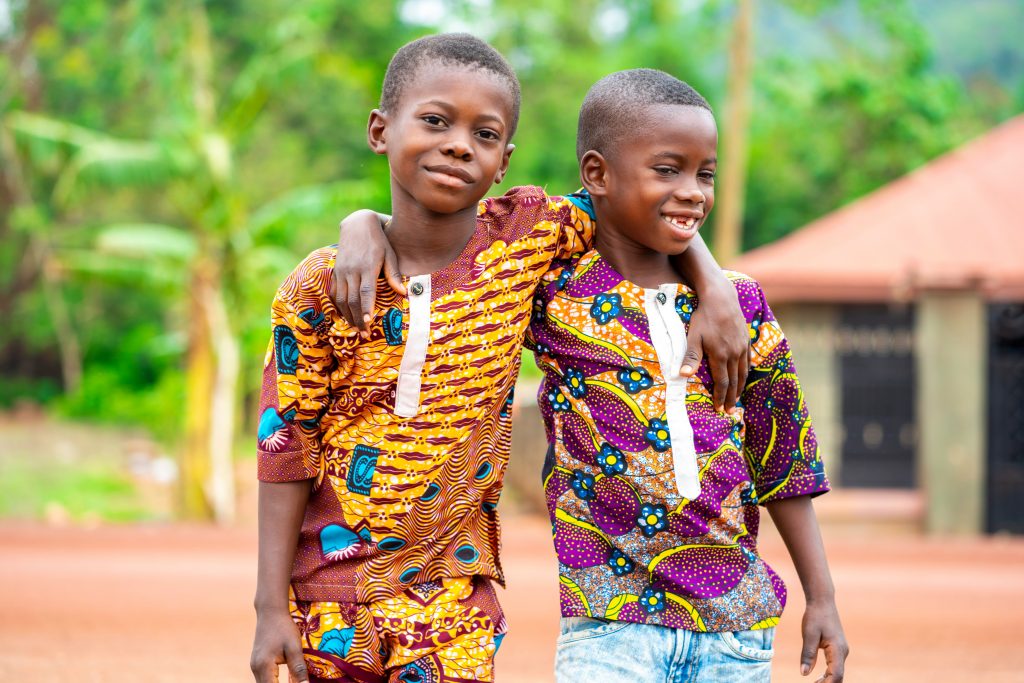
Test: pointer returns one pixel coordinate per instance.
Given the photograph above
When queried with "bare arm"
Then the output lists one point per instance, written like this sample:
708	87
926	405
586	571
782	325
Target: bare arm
718	327
798	526
362	251
281	509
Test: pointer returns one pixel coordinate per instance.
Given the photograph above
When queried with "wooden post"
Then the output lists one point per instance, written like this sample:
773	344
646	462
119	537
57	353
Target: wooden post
729	221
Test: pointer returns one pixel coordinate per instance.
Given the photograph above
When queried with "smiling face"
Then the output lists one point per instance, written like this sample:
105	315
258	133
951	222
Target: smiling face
447	140
656	187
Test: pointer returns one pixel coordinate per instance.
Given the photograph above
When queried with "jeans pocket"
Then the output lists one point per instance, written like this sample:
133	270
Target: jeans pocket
753	645
573	629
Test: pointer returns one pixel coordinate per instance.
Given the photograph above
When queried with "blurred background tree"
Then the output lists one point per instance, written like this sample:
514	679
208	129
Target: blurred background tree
164	164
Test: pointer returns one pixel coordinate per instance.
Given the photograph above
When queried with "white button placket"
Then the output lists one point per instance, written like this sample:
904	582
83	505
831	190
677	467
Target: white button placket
407	397
669	337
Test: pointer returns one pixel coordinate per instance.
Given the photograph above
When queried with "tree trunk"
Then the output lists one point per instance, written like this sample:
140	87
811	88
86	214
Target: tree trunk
729	223
200	374
221	491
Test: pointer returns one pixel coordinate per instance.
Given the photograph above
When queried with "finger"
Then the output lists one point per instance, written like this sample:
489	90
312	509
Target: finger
391	272
264	670
341	298
693	356
720	377
743	368
352	303
367	300
808	654
835	660
355	308
296	665
733	393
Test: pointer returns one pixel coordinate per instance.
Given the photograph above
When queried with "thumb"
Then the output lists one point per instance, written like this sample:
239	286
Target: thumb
808	654
296	665
391	272
692	358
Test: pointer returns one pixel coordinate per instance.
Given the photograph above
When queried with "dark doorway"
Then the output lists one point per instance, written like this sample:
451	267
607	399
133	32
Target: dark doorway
876	365
1006	418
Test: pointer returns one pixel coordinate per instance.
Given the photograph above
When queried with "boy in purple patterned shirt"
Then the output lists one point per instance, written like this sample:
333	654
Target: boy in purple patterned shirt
653	493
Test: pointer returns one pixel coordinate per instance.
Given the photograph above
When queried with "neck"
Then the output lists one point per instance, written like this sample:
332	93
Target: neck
423	240
635	262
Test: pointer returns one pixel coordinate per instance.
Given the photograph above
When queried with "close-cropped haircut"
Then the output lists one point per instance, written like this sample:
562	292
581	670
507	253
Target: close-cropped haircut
614	106
446	49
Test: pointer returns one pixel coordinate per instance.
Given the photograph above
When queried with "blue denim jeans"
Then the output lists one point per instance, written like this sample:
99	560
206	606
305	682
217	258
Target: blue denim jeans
599	651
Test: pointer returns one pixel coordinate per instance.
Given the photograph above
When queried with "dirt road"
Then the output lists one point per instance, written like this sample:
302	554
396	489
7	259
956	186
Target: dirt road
172	604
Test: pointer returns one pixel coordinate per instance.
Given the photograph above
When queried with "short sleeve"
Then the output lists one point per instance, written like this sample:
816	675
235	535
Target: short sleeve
526	209
779	442
297	376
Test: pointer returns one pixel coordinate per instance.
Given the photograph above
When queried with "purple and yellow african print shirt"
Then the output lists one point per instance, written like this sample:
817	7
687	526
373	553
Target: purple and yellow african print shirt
653	495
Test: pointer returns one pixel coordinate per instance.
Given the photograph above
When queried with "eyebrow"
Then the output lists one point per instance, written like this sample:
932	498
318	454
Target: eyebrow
680	157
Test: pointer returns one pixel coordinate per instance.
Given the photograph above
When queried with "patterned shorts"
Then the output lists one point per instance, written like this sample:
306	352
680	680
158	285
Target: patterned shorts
439	631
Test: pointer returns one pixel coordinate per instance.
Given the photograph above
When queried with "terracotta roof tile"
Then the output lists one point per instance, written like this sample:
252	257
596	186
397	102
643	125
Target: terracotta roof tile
958	221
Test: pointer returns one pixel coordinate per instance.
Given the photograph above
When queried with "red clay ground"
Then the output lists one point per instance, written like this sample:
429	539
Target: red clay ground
171	604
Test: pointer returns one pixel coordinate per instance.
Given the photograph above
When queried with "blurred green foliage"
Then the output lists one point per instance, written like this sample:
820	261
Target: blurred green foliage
849	94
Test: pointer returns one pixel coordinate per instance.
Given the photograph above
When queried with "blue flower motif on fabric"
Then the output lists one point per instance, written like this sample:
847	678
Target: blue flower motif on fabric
574	382
611	460
652	519
606	307
392	325
361	469
273	431
658	435
286	350
734	436
338	641
313	317
558	400
583	485
414	673
634	380
620	564
685	305
338	543
652	600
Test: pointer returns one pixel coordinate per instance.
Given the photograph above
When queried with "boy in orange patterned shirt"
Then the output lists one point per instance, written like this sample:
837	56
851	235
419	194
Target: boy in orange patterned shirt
381	454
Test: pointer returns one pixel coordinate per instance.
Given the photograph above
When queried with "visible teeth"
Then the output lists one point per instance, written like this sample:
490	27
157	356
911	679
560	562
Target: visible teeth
686	223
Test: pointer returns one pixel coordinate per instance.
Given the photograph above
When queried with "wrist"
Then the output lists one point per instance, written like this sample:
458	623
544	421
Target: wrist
265	605
823	598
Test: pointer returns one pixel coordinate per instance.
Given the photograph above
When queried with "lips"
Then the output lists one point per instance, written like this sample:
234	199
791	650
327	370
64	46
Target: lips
453	172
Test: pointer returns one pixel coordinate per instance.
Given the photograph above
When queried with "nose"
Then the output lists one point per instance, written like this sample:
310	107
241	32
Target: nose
689	192
456	146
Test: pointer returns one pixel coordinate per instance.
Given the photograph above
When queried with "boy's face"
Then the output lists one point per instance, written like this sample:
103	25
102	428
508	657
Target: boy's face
657	187
447	140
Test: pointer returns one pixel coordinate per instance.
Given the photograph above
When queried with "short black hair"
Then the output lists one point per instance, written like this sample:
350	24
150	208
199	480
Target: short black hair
614	105
447	49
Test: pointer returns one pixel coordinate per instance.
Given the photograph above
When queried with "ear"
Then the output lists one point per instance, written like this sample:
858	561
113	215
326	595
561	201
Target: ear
376	129
503	169
594	173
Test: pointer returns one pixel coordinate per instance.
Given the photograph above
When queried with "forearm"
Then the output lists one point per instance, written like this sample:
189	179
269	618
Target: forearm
798	526
698	266
281	509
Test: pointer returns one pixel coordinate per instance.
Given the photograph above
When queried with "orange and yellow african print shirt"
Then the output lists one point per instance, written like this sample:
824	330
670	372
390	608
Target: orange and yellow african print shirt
407	433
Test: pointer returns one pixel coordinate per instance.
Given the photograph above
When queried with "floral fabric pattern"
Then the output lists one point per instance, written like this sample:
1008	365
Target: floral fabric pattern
630	547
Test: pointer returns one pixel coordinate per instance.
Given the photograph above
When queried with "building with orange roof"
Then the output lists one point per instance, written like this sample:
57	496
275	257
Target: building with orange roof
906	308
